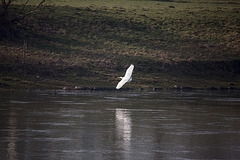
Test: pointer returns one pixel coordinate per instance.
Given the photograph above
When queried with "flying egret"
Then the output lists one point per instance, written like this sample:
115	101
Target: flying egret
127	77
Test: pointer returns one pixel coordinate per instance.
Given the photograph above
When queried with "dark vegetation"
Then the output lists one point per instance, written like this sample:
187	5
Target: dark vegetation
177	43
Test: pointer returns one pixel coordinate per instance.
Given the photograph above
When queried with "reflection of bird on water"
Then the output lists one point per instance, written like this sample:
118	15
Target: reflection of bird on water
127	77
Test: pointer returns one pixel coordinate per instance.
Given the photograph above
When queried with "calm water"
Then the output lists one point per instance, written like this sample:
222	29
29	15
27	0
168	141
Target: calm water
119	125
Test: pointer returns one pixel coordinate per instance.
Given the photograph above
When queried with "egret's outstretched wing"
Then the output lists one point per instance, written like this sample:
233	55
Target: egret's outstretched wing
121	83
129	71
127	76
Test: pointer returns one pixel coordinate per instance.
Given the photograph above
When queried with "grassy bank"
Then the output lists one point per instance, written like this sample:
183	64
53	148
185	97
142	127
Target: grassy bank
90	43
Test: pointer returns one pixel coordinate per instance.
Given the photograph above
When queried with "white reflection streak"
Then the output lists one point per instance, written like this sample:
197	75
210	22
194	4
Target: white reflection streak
124	127
11	149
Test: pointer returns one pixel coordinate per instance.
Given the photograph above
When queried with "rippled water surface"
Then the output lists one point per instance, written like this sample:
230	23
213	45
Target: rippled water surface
120	125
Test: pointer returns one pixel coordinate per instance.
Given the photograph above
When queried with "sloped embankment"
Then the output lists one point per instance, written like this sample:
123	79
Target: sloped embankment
91	46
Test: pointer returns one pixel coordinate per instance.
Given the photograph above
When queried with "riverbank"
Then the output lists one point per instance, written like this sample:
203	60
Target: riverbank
174	88
193	44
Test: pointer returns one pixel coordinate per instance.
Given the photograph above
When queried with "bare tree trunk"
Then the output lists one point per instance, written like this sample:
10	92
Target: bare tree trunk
4	15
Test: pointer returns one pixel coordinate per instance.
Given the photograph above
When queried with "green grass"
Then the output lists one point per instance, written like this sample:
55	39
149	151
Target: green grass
90	43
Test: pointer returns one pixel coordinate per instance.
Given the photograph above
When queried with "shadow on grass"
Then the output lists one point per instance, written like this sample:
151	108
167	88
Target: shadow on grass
103	44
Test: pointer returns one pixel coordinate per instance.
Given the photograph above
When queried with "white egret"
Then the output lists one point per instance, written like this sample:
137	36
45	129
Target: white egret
127	77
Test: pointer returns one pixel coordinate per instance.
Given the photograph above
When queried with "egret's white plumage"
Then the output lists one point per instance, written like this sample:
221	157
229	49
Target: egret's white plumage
127	77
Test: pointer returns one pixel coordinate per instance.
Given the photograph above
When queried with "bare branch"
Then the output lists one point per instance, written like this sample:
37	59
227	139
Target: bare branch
9	2
23	15
24	6
5	6
4	13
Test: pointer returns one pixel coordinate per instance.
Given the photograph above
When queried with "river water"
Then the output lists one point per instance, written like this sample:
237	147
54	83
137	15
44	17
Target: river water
119	125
